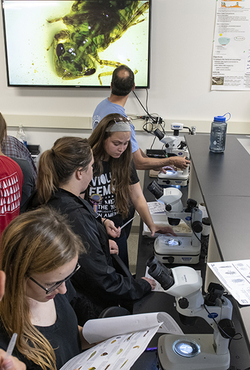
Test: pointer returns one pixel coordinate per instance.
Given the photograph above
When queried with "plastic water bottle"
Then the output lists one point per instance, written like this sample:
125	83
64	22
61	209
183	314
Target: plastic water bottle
218	133
21	135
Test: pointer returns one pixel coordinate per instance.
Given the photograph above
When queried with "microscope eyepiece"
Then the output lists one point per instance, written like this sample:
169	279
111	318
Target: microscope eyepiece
155	189
160	273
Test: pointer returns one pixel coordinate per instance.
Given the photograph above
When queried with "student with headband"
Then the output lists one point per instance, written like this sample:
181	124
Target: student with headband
115	182
122	83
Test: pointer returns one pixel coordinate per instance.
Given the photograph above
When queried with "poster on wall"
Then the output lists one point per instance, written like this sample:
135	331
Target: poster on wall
231	46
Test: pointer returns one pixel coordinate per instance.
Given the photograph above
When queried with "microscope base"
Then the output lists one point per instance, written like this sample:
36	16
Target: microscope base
207	359
182	253
172	181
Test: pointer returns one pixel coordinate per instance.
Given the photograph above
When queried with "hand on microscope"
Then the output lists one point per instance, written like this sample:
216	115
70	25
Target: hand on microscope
151	282
178	162
167	168
167	230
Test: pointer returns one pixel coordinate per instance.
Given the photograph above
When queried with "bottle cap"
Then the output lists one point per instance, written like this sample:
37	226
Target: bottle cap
220	119
206	221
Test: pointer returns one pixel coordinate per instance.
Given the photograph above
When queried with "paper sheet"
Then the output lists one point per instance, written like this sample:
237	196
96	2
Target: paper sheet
156	207
120	351
235	277
97	330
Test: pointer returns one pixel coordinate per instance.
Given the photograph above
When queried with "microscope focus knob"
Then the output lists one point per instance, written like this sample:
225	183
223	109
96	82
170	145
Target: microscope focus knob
170	259
168	207
183	303
197	226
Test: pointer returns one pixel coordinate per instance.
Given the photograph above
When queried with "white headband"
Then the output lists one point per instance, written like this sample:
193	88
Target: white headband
119	126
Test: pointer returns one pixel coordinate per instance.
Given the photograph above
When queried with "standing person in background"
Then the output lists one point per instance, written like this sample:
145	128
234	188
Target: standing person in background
16	150
115	180
122	84
39	254
11	182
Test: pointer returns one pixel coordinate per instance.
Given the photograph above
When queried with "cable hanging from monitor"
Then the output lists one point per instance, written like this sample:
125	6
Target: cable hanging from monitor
152	122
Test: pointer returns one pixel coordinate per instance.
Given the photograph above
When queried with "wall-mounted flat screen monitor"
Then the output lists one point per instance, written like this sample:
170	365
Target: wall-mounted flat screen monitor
75	43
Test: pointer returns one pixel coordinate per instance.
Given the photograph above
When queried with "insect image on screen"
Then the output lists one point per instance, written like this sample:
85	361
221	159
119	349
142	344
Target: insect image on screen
91	26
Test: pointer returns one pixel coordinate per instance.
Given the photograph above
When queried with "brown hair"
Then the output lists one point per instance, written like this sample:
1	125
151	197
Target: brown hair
38	241
120	167
57	165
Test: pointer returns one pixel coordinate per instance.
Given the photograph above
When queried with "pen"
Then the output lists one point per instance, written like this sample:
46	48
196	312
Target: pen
151	349
11	345
128	222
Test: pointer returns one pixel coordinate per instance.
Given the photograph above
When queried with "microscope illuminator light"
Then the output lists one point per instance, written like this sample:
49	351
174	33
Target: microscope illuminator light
186	348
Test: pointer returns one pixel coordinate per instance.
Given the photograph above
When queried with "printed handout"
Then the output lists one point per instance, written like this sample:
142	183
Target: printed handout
123	340
235	277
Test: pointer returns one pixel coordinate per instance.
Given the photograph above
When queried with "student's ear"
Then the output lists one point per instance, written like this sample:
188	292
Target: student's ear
79	173
133	87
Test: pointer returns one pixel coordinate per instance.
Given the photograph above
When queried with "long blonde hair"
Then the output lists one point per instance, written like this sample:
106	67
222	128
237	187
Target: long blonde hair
120	167
59	163
38	241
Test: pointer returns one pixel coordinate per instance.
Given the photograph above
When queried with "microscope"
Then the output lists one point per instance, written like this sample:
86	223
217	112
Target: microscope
183	249
194	351
174	145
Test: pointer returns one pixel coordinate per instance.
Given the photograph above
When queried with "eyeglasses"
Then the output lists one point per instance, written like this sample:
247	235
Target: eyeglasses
56	285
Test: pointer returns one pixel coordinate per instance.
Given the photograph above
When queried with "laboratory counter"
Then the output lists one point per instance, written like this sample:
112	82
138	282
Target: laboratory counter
223	184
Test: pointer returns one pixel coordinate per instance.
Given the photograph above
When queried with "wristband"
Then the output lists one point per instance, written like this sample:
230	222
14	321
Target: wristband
104	221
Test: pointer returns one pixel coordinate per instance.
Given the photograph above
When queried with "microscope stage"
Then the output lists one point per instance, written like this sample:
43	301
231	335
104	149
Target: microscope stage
161	219
206	359
176	249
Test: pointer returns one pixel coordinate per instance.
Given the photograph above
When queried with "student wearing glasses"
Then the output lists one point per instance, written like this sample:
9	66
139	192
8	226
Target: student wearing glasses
39	254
